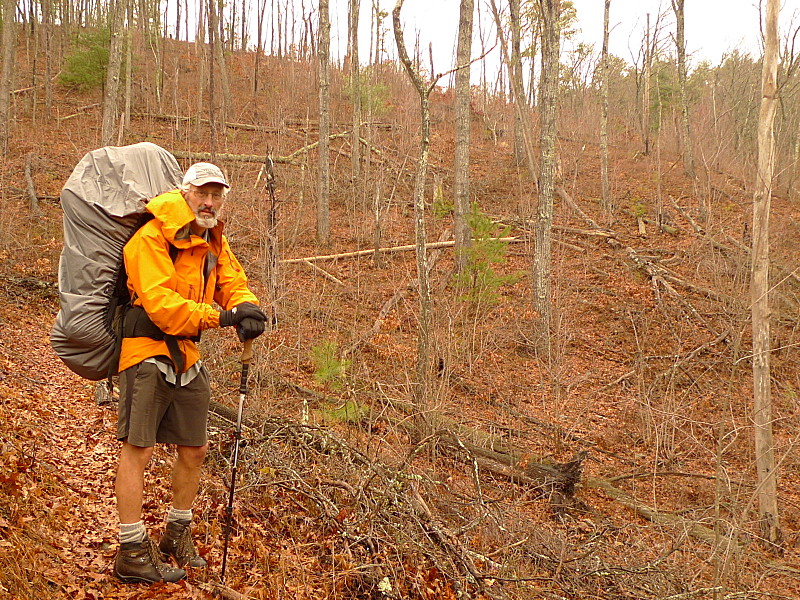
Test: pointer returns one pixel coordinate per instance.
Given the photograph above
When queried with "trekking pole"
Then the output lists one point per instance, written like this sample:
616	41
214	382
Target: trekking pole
247	357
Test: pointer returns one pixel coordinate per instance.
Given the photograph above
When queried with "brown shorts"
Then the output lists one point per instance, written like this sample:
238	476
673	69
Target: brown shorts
152	410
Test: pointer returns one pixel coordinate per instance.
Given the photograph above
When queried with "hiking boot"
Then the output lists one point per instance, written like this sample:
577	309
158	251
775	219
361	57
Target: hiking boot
177	542
140	562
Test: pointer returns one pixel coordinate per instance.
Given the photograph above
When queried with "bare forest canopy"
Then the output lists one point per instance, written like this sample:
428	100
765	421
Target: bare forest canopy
68	43
615	461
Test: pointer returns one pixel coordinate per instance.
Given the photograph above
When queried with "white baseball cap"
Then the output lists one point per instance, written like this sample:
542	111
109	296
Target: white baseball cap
202	173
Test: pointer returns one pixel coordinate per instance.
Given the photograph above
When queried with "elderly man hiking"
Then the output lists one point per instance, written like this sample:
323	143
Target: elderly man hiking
178	264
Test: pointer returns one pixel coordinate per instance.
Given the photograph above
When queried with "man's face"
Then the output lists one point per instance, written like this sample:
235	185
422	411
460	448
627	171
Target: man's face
205	202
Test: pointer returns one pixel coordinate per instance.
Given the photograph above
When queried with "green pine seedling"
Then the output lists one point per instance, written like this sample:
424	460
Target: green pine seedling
329	369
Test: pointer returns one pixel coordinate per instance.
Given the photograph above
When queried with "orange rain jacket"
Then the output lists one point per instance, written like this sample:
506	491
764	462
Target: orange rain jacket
175	295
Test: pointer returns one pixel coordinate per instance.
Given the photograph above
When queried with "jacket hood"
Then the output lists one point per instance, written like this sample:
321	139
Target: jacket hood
174	214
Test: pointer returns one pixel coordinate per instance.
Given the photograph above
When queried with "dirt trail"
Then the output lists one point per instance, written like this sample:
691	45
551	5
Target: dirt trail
57	459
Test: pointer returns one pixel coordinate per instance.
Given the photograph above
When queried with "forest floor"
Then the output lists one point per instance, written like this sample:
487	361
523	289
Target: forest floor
649	377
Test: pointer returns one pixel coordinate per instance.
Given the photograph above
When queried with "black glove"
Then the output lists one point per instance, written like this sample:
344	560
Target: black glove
249	329
240	312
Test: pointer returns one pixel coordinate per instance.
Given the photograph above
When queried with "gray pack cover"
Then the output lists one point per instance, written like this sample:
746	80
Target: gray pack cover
103	202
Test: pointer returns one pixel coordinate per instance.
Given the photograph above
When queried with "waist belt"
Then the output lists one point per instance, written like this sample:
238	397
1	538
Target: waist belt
138	324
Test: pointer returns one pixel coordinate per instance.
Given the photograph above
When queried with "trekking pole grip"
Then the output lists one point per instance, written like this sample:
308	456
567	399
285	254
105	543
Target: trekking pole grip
247	357
247	352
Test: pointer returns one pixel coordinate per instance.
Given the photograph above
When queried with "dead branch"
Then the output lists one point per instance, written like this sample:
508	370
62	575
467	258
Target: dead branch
659	274
783	271
405	248
218	589
401	293
562	193
323	272
228	124
222	156
80	110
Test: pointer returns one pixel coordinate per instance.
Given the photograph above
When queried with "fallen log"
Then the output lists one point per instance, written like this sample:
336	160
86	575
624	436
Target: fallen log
559	481
692	528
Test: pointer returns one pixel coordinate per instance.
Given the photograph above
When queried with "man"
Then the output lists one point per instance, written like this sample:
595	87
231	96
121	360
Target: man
178	264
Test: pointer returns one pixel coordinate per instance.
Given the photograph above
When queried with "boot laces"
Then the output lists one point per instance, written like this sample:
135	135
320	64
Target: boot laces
155	558
184	548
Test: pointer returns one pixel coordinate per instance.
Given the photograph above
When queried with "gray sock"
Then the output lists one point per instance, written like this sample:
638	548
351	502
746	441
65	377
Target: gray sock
132	532
179	515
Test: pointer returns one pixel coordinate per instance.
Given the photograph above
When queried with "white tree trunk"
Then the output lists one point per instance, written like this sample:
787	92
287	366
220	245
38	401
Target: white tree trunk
759	287
423	366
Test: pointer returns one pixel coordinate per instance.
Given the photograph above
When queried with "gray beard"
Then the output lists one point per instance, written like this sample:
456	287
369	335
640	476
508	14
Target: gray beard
206	222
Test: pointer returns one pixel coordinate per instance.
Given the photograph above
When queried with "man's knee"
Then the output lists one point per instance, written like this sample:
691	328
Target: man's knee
192	456
135	456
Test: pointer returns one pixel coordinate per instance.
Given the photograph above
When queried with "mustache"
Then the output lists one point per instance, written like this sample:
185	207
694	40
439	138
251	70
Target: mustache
205	211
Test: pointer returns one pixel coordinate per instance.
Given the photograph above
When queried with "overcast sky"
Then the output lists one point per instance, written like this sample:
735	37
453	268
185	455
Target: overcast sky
713	27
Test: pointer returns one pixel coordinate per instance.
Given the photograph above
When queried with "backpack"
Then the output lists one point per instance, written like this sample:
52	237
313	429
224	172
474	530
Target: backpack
104	203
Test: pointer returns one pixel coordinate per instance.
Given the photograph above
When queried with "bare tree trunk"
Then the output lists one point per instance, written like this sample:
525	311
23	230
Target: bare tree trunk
110	104
201	50
517	81
688	156
216	22
213	33
47	32
178	20
543	231
759	287
323	187
32	197
463	122
244	26
6	81
380	15
374	20
259	51
128	65
646	89
355	78
605	196
520	107
277	25
155	40
795	169
34	96
423	366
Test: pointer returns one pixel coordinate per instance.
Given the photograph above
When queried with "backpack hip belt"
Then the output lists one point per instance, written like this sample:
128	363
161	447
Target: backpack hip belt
137	323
